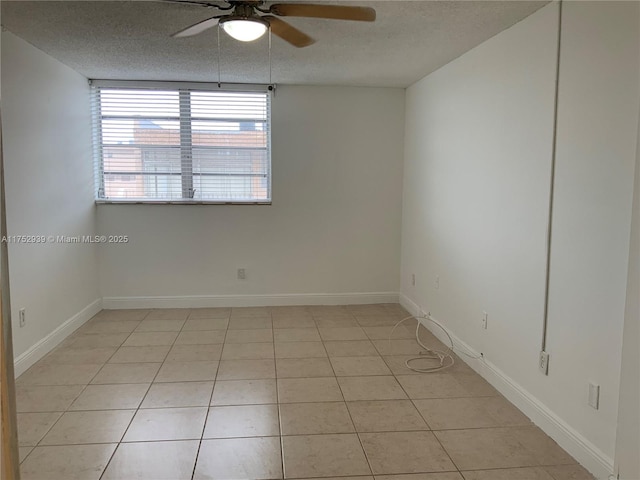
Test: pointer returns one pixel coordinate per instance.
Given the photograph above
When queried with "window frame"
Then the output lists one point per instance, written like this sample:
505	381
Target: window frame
186	148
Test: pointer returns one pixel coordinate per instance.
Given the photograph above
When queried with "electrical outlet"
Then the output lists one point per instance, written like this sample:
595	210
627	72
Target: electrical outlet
413	279
485	318
437	282
594	395
543	362
21	317
241	274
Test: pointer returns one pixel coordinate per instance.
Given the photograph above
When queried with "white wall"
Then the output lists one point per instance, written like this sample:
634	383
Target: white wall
628	435
477	162
597	130
49	191
333	227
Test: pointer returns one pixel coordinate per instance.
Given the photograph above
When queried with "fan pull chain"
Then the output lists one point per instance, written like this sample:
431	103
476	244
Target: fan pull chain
269	54
219	78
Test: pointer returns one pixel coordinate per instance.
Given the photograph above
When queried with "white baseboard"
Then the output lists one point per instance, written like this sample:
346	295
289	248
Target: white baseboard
48	343
585	452
203	301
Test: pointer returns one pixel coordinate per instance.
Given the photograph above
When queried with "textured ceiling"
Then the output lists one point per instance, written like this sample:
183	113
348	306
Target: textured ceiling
130	40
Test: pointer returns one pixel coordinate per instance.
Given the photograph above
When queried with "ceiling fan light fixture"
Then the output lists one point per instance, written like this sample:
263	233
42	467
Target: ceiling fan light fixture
244	29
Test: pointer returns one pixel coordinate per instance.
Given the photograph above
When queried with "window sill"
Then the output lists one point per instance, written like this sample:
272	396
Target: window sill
179	202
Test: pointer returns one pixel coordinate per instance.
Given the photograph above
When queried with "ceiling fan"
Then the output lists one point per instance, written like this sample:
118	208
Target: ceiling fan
248	20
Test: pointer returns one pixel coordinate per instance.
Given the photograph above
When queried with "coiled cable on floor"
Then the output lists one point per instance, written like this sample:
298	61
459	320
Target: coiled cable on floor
444	358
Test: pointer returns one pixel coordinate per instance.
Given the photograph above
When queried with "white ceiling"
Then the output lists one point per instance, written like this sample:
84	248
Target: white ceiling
131	40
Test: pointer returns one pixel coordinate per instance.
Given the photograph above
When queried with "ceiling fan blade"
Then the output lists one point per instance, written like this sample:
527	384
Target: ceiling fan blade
288	32
334	12
198	27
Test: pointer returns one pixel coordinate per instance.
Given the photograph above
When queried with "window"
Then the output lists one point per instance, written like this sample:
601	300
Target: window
181	143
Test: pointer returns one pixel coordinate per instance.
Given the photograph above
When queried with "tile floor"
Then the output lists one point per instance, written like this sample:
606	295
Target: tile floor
267	393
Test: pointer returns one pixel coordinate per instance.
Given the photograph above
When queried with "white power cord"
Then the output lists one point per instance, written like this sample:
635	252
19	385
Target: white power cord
444	359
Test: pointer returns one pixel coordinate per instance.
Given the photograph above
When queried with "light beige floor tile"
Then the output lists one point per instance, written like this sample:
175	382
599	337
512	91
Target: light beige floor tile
110	397
210	313
207	337
386	416
371	388
23	453
485	448
455	413
303	367
239	458
459	367
314	418
359	366
337	478
249	336
167	424
194	353
297	335
204	324
475	385
289	310
477	412
89	427
433	385
368	309
152	354
160	326
69	462
405	452
347	333
122	315
250	311
33	426
292	390
113	326
147	339
168	314
541	446
405	346
396	309
377	320
79	356
323	456
293	321
239	351
300	350
42	374
249	323
187	372
242	421
422	476
126	373
350	348
528	473
153	461
47	398
335	321
244	392
388	331
328	310
53	374
96	340
180	394
569	472
246	369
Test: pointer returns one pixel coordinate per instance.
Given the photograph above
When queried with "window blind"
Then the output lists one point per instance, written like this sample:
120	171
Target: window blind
175	144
